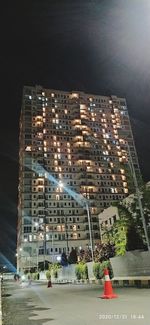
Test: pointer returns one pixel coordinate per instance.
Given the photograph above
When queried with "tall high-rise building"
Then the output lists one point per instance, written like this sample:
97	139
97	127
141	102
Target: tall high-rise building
71	143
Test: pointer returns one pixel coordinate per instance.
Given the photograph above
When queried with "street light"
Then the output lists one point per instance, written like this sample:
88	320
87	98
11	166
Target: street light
90	230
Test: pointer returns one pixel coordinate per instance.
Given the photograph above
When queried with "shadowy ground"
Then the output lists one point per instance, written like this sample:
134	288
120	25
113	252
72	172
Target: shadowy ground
19	305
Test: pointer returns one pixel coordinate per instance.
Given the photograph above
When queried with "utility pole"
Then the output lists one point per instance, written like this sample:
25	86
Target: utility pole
66	235
90	231
88	214
44	241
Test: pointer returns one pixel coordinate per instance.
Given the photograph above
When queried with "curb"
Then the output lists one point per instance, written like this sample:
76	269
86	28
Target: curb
0	302
138	282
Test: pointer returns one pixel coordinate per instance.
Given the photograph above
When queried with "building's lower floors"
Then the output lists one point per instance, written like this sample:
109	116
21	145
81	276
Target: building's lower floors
30	255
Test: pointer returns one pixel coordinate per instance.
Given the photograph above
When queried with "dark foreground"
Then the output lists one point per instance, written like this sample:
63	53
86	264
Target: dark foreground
73	305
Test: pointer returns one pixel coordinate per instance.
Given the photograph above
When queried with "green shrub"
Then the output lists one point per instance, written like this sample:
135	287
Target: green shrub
98	269
35	276
53	269
81	271
48	275
78	271
85	272
107	265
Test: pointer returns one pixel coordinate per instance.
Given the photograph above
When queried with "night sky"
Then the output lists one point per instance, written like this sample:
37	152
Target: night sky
100	47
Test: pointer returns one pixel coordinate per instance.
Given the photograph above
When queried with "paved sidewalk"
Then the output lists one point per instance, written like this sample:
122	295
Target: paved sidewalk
0	302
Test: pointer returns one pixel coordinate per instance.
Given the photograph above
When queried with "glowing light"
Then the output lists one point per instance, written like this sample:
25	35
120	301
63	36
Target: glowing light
61	185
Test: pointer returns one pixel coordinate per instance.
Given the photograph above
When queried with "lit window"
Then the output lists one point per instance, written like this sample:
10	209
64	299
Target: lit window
119	153
74	95
105	152
28	148
125	190
30	237
122	171
75	235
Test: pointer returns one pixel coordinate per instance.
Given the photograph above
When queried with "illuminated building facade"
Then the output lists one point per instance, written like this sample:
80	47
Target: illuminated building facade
82	140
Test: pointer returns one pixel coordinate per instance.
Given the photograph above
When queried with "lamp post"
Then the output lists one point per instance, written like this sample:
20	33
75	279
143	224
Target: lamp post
84	202
61	185
44	241
90	230
66	236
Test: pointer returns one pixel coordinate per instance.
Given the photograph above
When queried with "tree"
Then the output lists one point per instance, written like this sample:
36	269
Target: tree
134	240
64	260
128	230
120	236
73	257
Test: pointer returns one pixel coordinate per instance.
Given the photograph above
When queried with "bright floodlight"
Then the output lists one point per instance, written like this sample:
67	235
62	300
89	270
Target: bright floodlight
61	184
58	258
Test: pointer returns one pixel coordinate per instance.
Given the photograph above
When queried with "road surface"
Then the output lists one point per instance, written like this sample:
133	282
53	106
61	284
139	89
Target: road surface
73	305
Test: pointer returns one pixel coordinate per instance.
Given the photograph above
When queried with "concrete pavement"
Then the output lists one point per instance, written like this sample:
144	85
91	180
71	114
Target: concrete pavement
0	304
74	304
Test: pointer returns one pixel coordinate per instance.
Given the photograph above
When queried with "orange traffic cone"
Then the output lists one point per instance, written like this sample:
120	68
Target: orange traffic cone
49	284
108	291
